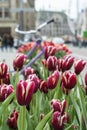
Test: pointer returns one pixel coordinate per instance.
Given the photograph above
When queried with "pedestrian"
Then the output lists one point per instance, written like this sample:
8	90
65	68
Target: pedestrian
10	42
4	42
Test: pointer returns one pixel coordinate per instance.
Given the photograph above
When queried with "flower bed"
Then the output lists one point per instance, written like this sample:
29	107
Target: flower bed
45	91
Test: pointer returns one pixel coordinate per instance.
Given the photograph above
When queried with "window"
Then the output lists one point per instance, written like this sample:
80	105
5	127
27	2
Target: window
6	12
0	12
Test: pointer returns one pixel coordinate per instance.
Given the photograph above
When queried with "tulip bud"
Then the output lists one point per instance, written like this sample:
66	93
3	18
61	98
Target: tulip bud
58	106
49	51
52	63
24	92
69	80
67	63
60	64
52	80
6	80
79	66
12	120
59	120
5	91
19	61
43	86
35	79
3	70
44	62
28	71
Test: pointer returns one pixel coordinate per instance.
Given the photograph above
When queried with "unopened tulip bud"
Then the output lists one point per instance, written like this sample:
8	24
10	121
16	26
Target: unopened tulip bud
58	106
19	61
67	63
44	62
52	63
60	64
49	51
79	66
12	120
28	71
43	86
24	92
53	80
6	80
69	80
5	91
59	120
33	77
3	70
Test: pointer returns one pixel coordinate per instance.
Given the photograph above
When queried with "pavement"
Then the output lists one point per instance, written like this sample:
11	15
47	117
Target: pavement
8	56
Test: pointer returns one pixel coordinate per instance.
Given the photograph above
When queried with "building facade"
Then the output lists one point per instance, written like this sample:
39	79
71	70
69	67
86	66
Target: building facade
59	28
14	12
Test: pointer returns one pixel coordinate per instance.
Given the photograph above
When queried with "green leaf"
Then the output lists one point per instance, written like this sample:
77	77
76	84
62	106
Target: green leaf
43	122
76	107
5	104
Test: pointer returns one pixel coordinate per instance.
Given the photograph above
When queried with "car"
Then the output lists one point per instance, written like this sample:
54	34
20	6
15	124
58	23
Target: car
58	40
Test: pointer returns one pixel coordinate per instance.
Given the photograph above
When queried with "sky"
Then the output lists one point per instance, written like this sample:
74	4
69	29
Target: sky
69	6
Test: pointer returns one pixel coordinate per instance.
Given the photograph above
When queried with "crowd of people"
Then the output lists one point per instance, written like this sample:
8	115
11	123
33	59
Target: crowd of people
6	42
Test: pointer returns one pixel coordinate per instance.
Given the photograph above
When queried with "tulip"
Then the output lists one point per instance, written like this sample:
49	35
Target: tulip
69	80
49	51
12	120
52	80
3	70
24	92
18	62
52	63
35	79
66	63
60	64
5	91
43	86
58	106
6	80
44	62
28	71
59	120
79	66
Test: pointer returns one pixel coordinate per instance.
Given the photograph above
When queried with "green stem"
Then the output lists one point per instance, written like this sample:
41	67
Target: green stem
67	102
22	119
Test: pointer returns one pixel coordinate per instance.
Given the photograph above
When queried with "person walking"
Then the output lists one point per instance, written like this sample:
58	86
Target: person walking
10	41
4	42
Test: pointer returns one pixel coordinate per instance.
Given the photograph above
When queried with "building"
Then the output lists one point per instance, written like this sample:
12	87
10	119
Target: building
59	28
13	12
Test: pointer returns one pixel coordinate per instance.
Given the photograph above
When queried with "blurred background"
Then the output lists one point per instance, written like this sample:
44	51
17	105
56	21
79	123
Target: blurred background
70	25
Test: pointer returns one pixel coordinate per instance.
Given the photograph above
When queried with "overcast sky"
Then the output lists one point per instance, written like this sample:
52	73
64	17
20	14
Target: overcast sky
70	6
